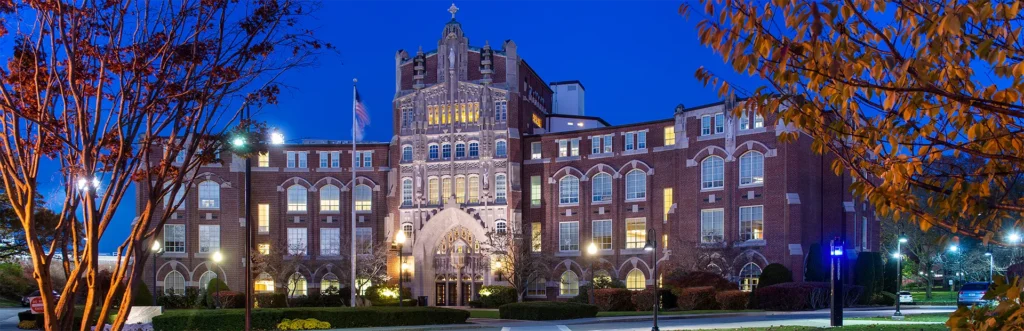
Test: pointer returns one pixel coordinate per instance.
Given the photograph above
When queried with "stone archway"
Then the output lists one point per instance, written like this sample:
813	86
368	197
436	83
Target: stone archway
450	231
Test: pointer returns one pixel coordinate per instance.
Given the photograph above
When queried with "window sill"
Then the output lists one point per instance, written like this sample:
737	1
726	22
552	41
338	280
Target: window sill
210	209
296	170
567	205
568	158
761	184
711	137
601	155
751	243
644	199
712	189
364	212
263	232
635	151
265	169
632	251
567	253
330	211
535	206
174	255
328	170
608	202
716	244
297	212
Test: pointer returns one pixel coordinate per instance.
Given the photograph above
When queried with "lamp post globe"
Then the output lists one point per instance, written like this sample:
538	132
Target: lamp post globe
155	247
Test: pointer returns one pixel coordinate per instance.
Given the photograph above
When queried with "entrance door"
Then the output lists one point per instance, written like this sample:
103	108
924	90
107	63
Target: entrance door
440	295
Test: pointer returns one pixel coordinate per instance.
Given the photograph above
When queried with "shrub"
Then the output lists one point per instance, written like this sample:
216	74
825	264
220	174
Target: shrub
867	272
884	299
644	300
494	296
614	299
383	295
696	298
13	283
816	268
608	282
271	300
732	300
142	295
27	325
214	285
668	300
546	311
303	324
337	317
775	274
230	299
700	279
583	296
191	299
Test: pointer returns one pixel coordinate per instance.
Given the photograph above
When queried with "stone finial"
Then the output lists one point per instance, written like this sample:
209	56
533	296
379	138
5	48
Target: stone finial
453	10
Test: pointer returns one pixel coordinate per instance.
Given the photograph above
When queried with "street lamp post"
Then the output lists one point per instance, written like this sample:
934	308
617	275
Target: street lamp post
899	274
217	258
652	246
592	252
1015	239
991	264
960	265
836	252
157	251
400	240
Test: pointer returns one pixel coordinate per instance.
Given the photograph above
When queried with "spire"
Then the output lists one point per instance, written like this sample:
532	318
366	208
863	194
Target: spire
453	10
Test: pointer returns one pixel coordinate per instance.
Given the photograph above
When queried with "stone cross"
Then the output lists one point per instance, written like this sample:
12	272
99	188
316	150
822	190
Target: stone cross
453	10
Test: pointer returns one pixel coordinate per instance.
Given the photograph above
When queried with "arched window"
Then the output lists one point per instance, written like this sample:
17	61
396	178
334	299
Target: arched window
569	190
499	188
460	150
748	277
446	151
500	149
407	192
174	283
330	198
538	288
407	154
635	280
752	168
297	198
364	198
636	185
432	191
601	185
433	152
264	283
474	149
407	228
204	280
329	283
500	226
712	172
570	284
178	196
209	195
296	285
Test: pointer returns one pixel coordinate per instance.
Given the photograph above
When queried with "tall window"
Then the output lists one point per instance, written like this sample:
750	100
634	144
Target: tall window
595	145
570	284
297	241
666	201
263	160
538	288
364	240
446	151
748	277
535	191
636	233
204	280
407	154
569	236
446	189
574	147
601	185
432	192
628	140
325	159
719	123
500	187
209	195
209	238
364	198
297	198
536	150
407	192
705	125
758	120
712	225
460	189
330	198
263	217
290	156
712	172
602	234
641	140
330	241
264	283
569	190
500	110
460	150
407	229
296	285
174	283
752	168
608	143
473	195
178	197
635	280
174	238
636	185
752	223
563	148
536	237
433	152
670	135
474	149
500	149
335	159
302	160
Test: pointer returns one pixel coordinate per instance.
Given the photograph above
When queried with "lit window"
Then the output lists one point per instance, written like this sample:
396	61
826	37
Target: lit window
263	217
499	188
264	249
635	280
574	147
536	237
432	192
758	121
364	196
446	189
500	227
752	168
330	198
535	191
563	148
569	190
602	234
474	189
601	185
330	241
209	238
407	192
569	236
636	185
407	229
263	160
500	149
296	285
474	149
209	195
433	152
460	150
744	122
752	223
636	233
570	284
705	125
329	283
719	123
538	288
297	241
174	238
446	151
748	277
297	198
535	150
712	172
666	194
670	135
712	225
407	154
174	283
264	283
460	189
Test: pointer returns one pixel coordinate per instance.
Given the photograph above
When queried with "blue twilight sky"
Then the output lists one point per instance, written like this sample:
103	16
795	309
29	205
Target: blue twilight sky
636	60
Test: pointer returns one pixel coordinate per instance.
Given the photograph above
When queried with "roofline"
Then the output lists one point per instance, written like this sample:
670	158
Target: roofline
600	128
581	117
567	82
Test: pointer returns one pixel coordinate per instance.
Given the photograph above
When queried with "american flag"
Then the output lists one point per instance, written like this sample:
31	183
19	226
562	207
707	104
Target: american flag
361	116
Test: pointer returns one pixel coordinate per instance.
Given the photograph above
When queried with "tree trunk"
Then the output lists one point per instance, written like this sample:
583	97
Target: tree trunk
928	286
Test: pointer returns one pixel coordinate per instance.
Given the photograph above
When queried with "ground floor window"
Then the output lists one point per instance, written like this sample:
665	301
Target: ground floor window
264	283
635	280
174	283
570	284
204	280
748	277
538	288
296	285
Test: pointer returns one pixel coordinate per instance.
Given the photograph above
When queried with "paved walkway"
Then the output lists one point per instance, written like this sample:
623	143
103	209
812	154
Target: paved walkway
9	318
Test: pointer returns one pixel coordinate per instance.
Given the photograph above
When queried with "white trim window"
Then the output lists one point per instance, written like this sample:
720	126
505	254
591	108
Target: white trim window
744	122
635	280
297	243
536	150
174	283
602	234
433	194
719	123
705	125
367	160
407	192
432	152
569	190
500	226
712	173
364	198
407	229
563	148
446	151
297	198
601	187
335	159
595	145
330	241
263	160
474	149
302	160
446	189
574	147
500	191
209	238
569	236
748	277
296	285
535	191
209	195
330	198
628	140
177	203
752	223
290	156
325	159
641	140
569	284
460	150
500	110
460	189
758	120
636	233
636	185
712	226
473	193
670	135
263	217
608	143
406	153
500	149
174	238
752	168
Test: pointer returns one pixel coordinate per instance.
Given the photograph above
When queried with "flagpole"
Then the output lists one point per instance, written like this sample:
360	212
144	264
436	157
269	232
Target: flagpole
352	193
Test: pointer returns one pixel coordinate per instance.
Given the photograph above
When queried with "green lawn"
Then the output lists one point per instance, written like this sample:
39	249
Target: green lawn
476	313
933	317
938	298
7	303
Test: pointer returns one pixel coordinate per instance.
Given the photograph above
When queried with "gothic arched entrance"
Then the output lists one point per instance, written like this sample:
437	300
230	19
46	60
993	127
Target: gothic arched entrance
453	266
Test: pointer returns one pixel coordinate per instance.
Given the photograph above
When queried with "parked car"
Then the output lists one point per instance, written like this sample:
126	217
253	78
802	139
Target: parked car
25	299
972	293
905	297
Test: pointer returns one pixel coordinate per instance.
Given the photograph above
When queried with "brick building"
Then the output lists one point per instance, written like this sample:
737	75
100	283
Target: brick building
481	143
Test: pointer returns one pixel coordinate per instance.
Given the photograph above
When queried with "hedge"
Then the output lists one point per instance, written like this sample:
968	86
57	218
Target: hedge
700	279
774	274
338	317
546	311
732	300
696	298
801	296
644	300
614	299
867	272
499	296
229	299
